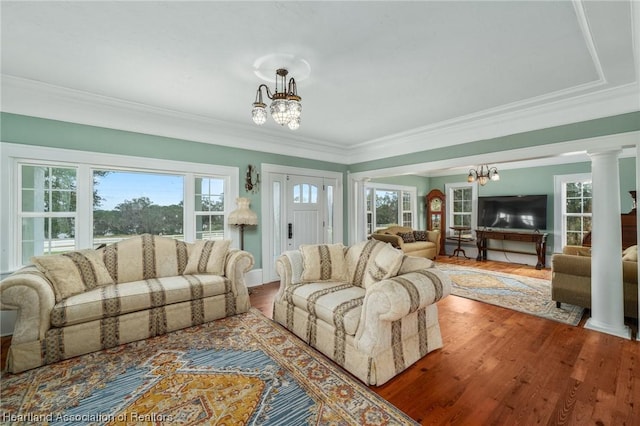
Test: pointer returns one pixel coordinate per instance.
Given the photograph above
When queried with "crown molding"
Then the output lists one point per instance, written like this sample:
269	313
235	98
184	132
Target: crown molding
32	98
508	120
559	153
37	99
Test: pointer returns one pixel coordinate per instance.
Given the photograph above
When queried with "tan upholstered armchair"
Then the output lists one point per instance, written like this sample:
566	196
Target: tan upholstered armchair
424	244
571	278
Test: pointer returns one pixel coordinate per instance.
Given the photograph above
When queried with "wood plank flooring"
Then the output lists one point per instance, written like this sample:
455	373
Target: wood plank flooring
502	367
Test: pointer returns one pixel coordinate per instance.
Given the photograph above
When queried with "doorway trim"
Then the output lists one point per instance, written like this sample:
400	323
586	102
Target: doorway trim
266	199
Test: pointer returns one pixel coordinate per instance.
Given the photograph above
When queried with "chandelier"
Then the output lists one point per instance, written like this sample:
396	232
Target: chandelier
483	174
285	106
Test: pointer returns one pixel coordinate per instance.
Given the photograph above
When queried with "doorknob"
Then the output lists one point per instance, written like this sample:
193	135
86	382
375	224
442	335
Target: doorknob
290	228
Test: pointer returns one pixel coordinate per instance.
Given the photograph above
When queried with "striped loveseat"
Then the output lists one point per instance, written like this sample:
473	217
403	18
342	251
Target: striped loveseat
368	307
84	301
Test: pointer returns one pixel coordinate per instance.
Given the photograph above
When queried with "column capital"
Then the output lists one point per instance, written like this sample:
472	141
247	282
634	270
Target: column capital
604	151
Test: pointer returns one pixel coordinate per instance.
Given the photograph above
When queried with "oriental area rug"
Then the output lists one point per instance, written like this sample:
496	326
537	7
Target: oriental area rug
241	370
520	293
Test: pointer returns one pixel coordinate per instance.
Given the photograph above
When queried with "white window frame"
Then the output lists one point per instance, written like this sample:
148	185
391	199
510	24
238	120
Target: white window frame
448	190
376	186
12	155
559	203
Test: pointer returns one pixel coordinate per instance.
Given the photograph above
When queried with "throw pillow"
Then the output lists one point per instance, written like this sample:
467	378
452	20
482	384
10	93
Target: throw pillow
630	249
420	235
384	263
371	261
407	237
74	272
207	257
323	262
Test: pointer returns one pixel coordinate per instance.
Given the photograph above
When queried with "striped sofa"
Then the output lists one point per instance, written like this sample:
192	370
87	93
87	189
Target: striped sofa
368	307
84	301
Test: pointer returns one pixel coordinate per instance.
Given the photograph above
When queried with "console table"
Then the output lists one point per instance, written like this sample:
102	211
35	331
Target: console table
537	238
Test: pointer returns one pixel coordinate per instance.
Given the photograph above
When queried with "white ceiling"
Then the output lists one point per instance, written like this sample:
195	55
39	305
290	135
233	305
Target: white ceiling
385	77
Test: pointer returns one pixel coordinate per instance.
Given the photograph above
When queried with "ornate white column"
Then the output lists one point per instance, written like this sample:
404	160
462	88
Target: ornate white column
607	308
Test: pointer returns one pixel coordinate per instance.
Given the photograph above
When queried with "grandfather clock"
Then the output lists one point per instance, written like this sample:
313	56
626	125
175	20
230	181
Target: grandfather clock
436	218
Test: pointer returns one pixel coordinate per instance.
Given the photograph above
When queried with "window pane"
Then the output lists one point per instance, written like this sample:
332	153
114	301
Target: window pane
577	211
406	201
209	194
47	189
329	214
209	227
132	203
42	236
386	208
275	225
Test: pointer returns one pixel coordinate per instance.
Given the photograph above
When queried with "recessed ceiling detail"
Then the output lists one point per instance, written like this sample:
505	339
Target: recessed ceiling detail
388	78
264	66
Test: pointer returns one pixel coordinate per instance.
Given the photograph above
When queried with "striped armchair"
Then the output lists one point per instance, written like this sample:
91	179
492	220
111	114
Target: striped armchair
368	307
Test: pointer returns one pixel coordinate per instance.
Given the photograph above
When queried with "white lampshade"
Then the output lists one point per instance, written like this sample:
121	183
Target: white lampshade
243	215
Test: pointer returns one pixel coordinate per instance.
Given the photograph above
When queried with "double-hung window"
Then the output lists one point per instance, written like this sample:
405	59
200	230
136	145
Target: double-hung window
46	209
573	195
462	202
388	205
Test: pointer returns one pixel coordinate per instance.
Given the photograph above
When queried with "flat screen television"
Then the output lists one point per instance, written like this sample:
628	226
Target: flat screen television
513	212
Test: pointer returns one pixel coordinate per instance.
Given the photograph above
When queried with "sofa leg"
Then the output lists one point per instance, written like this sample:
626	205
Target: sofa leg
558	305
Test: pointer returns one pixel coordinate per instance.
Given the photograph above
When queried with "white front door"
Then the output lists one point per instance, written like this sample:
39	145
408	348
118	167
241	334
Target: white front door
304	211
299	206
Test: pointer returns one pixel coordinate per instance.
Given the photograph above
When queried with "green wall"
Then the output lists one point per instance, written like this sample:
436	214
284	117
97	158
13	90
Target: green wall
586	129
26	130
539	180
57	134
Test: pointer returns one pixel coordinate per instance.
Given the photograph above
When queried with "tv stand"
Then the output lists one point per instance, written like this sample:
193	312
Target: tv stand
537	238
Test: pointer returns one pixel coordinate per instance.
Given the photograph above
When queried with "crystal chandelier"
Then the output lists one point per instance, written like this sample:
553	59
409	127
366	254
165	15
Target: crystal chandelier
483	175
285	106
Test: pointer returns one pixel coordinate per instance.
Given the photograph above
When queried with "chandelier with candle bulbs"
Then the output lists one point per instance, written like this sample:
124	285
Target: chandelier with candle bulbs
483	174
285	106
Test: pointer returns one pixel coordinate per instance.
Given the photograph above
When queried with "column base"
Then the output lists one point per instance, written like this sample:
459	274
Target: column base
624	331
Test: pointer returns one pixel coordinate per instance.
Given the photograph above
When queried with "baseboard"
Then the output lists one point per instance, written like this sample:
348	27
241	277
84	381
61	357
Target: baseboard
253	278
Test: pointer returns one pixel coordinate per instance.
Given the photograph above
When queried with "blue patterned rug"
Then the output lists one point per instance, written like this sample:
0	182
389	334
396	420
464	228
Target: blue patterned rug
241	370
520	293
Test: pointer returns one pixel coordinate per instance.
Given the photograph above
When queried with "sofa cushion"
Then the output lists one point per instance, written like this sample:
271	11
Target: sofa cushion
73	272
323	262
117	299
208	257
371	261
407	237
145	256
336	303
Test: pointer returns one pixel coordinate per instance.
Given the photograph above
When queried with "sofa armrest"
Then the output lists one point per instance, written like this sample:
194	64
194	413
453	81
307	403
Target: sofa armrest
571	265
434	237
289	267
30	293
393	299
395	240
237	264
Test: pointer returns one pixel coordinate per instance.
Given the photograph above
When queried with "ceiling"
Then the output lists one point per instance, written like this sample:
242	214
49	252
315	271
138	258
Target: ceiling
382	77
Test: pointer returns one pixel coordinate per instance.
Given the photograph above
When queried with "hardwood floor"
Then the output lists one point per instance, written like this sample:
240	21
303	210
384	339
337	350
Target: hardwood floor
502	367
